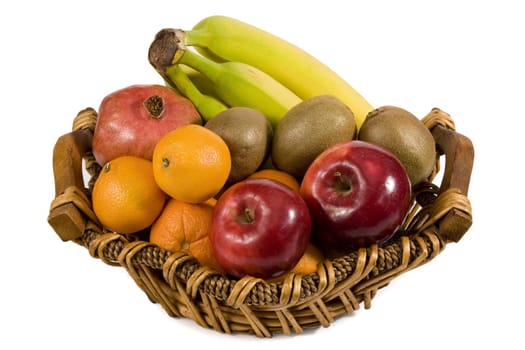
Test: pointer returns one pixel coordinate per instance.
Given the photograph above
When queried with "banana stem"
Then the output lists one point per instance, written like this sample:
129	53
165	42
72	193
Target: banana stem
209	68
166	52
197	37
166	49
207	106
169	48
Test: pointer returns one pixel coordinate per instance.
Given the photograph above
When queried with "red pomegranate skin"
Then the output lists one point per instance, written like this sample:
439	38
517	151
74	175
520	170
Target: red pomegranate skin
132	120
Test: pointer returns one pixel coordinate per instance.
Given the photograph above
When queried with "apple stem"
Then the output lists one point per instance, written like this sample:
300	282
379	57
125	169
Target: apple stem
249	216
343	183
155	106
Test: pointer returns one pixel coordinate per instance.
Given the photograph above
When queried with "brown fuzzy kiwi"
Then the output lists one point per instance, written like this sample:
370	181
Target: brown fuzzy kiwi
308	129
248	134
403	134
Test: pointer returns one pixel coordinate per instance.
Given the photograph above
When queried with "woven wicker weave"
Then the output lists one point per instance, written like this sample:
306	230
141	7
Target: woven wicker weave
441	214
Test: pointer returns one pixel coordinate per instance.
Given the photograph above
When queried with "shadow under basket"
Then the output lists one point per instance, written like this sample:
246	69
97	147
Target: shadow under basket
441	214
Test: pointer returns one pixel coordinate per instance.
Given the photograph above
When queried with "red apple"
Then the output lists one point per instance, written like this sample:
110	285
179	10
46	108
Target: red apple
358	194
131	120
259	228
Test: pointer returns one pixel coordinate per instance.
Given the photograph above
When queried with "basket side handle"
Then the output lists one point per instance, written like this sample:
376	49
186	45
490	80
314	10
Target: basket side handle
71	207
459	159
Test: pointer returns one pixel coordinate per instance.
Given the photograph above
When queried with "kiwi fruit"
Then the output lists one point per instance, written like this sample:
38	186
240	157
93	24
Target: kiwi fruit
308	129
248	134
403	134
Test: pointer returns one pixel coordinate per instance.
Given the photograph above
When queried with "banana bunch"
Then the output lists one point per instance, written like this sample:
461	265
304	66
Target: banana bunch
236	64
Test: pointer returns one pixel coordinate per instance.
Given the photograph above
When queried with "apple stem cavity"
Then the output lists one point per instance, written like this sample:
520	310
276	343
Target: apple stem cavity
155	106
342	183
248	217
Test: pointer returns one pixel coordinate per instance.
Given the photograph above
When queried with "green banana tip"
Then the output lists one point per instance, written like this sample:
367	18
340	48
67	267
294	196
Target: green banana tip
166	48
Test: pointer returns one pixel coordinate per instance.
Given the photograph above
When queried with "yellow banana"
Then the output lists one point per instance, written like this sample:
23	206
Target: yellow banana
233	40
236	83
207	106
203	84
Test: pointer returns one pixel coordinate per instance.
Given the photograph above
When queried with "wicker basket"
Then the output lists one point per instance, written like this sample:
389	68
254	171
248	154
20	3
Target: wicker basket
441	214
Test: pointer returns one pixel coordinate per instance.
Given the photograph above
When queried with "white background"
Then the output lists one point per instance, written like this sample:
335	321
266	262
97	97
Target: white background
464	57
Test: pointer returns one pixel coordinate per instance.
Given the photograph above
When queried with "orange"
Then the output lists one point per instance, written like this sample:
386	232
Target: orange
125	196
307	263
309	260
191	163
185	226
212	201
277	175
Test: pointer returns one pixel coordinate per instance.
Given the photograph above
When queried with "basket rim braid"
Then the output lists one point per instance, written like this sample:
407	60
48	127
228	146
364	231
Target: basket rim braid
440	214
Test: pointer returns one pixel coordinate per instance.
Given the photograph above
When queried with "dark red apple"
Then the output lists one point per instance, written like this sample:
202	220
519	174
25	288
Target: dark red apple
131	120
358	194
259	228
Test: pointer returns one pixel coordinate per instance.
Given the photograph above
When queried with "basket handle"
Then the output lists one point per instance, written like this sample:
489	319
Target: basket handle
71	207
459	158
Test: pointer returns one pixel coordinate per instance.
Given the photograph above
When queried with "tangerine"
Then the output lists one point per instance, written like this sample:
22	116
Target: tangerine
279	176
125	197
308	263
309	260
185	226
191	163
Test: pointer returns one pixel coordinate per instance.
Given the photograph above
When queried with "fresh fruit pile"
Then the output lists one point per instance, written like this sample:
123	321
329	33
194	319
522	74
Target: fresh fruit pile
253	168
